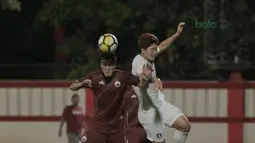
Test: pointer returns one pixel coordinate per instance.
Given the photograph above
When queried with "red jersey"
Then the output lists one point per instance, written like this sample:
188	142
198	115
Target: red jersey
109	98
73	115
131	109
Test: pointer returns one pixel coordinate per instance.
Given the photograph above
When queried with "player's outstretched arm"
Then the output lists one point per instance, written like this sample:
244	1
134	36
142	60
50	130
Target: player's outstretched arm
169	41
76	85
62	121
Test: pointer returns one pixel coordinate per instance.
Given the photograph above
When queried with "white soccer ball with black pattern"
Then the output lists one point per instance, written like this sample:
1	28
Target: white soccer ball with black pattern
108	43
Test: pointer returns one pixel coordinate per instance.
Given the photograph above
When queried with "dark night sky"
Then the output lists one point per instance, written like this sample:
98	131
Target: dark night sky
19	43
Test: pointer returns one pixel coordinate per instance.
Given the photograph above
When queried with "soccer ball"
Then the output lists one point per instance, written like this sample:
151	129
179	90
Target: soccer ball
108	43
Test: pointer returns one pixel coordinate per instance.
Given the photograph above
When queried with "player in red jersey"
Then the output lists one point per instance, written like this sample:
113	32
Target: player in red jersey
73	116
109	86
133	130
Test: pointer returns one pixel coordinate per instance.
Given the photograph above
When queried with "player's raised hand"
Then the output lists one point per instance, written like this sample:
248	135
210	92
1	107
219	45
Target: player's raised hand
147	69
180	28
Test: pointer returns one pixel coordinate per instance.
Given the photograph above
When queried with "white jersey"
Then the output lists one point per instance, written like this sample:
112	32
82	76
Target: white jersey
155	131
155	94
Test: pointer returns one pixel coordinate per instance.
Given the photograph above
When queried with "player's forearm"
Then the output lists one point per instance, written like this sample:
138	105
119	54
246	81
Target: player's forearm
143	81
167	42
146	100
61	124
75	86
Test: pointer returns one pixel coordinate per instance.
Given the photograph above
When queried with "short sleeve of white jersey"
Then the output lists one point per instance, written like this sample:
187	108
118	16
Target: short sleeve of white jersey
137	65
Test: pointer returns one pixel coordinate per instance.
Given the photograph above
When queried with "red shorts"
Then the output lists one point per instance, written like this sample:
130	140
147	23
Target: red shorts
98	133
93	136
131	135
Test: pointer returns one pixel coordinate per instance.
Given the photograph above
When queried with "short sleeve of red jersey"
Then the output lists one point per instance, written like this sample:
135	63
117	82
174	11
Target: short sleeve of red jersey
130	79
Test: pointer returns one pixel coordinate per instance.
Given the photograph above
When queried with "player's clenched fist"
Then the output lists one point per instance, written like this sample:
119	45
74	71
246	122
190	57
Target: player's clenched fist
87	82
158	84
180	28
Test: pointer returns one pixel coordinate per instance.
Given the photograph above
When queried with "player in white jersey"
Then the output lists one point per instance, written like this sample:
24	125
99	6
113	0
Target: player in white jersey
170	115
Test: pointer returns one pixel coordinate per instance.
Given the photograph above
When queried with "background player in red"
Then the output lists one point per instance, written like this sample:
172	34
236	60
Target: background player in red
109	86
133	130
73	116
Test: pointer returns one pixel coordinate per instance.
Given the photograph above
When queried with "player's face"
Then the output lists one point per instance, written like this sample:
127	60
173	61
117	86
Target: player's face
150	53
107	67
76	100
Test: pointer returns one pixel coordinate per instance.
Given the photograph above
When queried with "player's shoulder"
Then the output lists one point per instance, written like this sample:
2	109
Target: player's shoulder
79	108
68	107
121	72
139	59
123	75
94	73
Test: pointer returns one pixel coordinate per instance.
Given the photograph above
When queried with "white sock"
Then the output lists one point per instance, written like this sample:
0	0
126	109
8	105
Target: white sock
180	137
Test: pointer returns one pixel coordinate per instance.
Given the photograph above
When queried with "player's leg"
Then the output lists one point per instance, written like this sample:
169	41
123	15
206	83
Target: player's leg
71	137
174	118
154	130
74	137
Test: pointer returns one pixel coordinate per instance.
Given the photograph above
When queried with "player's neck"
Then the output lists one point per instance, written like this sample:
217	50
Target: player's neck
108	79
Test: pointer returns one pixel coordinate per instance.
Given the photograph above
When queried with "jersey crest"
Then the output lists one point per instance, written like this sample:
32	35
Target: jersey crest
117	84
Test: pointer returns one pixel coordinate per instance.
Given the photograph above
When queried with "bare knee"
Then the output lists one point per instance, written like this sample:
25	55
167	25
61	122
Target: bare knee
182	124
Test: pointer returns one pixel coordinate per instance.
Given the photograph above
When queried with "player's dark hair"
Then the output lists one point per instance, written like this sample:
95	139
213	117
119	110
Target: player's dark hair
109	57
146	40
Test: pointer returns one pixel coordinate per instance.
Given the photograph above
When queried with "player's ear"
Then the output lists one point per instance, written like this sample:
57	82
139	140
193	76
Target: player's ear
143	50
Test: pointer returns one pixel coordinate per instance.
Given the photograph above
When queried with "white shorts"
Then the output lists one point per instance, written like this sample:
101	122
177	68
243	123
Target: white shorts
156	131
